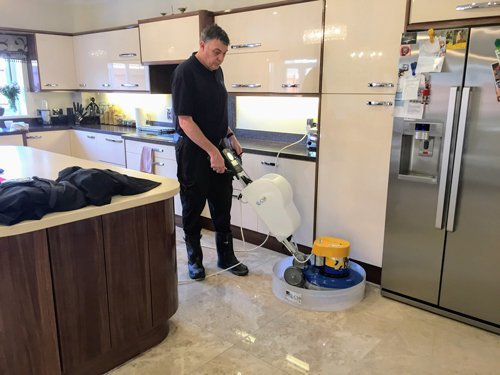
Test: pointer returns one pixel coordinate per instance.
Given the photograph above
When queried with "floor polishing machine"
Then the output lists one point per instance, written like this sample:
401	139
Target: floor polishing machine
325	279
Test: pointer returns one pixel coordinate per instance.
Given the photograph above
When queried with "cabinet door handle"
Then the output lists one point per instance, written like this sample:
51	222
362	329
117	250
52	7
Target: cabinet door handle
290	85
130	85
246	85
484	5
90	136
161	164
380	84
83	85
128	54
268	163
114	140
246	45
158	150
34	137
379	103
106	85
51	85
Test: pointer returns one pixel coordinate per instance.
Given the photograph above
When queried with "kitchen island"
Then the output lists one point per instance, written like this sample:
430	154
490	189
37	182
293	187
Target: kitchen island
83	291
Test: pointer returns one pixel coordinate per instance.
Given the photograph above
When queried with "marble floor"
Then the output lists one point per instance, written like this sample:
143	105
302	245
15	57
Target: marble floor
235	325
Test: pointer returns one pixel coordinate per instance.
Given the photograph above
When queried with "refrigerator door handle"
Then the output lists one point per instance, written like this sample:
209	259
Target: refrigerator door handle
448	130
464	109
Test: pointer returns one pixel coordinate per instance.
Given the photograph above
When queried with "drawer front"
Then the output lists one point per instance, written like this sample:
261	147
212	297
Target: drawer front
159	151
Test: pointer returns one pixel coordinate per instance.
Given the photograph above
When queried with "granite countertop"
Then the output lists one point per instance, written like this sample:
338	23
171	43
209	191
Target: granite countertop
253	142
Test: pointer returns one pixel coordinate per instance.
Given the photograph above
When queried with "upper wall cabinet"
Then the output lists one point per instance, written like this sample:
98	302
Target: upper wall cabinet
361	49
171	39
275	49
446	10
55	64
110	61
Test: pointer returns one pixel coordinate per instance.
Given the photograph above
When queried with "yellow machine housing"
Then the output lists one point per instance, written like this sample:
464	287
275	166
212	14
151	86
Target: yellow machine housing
334	251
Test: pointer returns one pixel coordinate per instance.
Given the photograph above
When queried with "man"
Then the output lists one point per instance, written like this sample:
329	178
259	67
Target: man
200	103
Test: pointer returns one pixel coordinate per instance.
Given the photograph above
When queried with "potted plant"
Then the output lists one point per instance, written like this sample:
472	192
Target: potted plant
11	92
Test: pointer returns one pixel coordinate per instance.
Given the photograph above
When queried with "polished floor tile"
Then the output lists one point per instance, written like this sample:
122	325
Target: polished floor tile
235	325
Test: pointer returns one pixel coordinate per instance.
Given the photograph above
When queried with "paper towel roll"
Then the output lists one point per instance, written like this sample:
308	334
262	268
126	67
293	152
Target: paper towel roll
140	117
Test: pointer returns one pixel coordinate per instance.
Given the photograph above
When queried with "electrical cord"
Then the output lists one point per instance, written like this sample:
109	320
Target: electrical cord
284	148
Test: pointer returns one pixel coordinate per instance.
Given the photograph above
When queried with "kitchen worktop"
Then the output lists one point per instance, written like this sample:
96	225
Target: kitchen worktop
252	142
28	162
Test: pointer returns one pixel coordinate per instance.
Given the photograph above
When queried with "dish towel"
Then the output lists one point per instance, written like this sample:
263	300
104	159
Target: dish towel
146	160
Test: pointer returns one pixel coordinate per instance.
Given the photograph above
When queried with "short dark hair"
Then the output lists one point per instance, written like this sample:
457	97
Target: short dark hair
214	32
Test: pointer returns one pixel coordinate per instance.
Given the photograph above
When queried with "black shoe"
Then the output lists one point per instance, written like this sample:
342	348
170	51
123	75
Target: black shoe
195	257
226	257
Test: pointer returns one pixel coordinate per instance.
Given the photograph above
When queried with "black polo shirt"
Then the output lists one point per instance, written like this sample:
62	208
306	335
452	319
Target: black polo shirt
200	93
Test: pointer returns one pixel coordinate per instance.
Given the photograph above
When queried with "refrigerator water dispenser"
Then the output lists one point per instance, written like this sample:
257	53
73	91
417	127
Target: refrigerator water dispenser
420	146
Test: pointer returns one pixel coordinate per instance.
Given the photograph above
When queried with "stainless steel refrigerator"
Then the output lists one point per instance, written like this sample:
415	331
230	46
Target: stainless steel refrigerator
442	232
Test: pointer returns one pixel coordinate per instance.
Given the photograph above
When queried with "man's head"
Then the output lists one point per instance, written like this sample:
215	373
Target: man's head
214	43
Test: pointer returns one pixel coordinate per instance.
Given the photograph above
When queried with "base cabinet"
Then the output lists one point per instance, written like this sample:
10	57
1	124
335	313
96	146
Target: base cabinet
54	141
300	174
11	140
101	147
83	297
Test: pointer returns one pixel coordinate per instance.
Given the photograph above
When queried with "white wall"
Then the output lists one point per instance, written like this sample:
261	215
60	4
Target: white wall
98	14
40	15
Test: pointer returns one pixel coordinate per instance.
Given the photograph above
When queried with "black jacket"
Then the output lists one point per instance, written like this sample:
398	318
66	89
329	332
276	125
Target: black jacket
32	198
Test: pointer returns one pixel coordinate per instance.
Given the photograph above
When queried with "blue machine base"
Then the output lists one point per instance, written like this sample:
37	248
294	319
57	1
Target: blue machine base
313	276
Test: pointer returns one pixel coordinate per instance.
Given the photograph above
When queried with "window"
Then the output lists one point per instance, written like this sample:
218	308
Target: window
12	71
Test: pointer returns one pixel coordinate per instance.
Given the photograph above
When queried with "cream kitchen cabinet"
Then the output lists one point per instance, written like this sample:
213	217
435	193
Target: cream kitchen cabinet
172	38
165	163
274	49
301	176
111	149
110	61
55	141
353	169
107	148
55	63
91	58
84	145
446	10
11	140
124	67
362	59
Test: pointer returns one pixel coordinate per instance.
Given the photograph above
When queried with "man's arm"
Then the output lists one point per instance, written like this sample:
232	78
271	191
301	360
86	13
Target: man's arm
235	144
192	130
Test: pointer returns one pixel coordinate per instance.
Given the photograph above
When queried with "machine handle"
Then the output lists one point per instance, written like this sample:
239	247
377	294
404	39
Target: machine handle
246	45
270	163
246	85
424	179
464	109
114	140
129	54
484	5
379	103
380	84
445	160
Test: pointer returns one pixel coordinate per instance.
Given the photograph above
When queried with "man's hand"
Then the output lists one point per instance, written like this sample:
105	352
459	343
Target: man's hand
217	161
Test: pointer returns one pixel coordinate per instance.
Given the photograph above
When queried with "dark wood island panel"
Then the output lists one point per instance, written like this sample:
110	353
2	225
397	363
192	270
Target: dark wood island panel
87	295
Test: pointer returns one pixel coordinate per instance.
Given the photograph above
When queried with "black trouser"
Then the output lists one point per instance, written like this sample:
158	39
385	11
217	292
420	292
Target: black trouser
200	183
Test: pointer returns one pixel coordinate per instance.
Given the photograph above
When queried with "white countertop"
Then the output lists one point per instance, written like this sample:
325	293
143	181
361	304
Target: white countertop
20	161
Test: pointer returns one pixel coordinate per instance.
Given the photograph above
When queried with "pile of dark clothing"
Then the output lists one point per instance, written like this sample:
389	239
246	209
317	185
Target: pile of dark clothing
32	198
